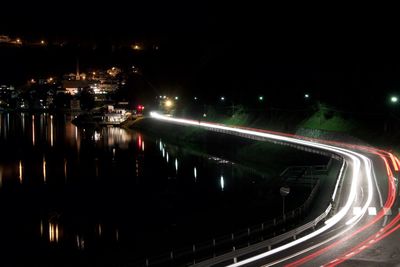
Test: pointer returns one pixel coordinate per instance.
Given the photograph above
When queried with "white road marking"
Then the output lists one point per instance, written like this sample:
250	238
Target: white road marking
372	211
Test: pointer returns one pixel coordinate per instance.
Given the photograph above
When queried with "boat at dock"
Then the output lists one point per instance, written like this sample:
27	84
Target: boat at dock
105	116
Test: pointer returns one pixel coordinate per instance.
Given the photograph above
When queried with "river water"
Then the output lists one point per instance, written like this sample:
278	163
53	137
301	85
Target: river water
75	196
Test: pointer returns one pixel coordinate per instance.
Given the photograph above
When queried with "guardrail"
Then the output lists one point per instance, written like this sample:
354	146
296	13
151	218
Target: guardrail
266	245
282	143
227	249
238	243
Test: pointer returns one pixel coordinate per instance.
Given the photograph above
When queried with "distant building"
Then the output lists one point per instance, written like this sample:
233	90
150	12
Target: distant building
100	82
74	83
47	81
74	86
105	87
6	88
105	82
117	113
7	92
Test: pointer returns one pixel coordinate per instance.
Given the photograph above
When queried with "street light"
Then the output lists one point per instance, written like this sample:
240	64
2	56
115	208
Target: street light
136	47
306	96
394	99
222	98
168	103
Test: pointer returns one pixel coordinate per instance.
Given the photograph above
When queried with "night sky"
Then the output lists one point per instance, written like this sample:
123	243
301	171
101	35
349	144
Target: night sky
227	47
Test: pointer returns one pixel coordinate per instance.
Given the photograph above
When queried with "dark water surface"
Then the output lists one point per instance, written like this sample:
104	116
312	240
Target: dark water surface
72	196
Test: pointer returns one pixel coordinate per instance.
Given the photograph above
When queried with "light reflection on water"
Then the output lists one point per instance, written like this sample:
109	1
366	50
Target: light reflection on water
33	129
72	136
65	169
41	228
20	171
51	131
44	169
80	242
96	180
54	232
23	122
117	136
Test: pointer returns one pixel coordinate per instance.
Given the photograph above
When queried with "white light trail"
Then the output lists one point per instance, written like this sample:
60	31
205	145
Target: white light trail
367	164
350	156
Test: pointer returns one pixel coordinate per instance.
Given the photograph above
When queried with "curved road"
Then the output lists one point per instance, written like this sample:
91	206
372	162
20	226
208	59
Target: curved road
365	197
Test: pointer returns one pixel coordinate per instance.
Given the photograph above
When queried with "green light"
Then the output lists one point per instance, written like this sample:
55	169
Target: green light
261	98
306	96
394	99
